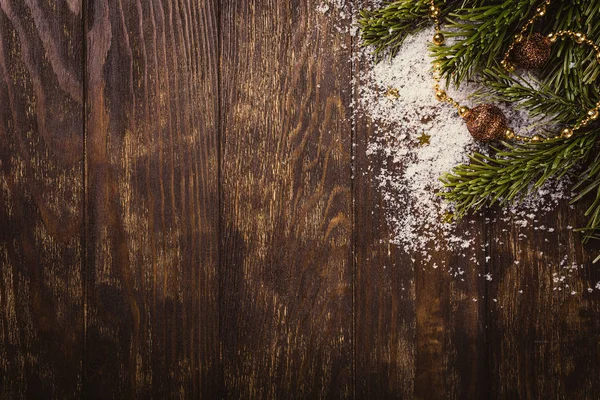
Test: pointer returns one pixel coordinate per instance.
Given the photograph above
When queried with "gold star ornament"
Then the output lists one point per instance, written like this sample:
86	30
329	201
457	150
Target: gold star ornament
392	93
424	139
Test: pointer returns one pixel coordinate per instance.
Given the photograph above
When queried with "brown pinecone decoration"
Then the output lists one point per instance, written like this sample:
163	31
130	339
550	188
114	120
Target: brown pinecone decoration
532	52
486	122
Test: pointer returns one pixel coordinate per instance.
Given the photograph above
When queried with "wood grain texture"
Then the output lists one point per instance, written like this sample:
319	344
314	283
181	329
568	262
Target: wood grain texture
286	271
187	210
385	292
419	328
450	308
41	151
543	339
386	325
152	200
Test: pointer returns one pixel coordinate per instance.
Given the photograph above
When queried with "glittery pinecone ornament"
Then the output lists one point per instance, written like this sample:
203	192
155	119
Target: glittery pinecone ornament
486	122
532	52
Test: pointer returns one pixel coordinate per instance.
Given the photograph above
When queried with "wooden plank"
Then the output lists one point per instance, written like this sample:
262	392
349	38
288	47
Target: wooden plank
152	195
385	279
451	339
385	291
419	329
286	281
543	339
41	172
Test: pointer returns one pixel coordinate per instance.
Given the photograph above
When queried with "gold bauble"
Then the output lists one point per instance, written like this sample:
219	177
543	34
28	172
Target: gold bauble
434	11
509	134
486	123
598	57
438	39
552	38
532	52
440	95
593	114
536	139
540	11
463	111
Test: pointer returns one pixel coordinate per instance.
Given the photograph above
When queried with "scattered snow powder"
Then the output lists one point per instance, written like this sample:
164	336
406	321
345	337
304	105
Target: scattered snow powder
398	96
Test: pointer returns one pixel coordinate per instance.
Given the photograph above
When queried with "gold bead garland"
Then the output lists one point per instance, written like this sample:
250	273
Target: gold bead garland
486	122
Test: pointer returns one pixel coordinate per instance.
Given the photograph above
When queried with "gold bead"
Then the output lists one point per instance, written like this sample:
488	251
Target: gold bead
536	139
598	57
507	65
579	37
509	134
440	95
593	114
518	38
463	111
540	11
434	11
438	39
552	38
567	133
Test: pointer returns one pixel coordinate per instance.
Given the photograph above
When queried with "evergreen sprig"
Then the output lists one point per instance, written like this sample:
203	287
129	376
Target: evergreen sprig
530	94
513	172
386	28
479	32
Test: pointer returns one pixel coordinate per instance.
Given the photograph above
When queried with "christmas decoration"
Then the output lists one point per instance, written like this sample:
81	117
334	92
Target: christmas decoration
424	139
486	122
492	43
532	52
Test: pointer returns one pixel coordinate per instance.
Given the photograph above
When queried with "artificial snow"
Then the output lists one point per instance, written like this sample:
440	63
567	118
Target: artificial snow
398	96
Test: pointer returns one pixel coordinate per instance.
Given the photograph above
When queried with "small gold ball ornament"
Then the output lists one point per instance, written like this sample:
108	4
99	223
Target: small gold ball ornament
434	11
463	111
598	57
438	39
507	65
552	38
509	134
536	139
486	122
532	52
567	133
579	37
440	95
593	114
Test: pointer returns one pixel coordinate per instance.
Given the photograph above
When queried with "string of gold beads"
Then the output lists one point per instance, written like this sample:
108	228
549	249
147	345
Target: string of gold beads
464	112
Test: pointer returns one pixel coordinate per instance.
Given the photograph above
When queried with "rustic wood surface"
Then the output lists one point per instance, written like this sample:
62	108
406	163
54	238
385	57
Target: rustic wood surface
41	199
151	305
187	210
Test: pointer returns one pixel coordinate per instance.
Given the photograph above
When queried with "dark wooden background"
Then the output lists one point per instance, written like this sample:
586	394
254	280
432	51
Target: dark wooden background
179	219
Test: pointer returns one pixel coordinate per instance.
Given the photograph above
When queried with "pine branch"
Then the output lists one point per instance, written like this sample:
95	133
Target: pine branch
482	34
482	31
589	183
385	29
514	172
530	94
